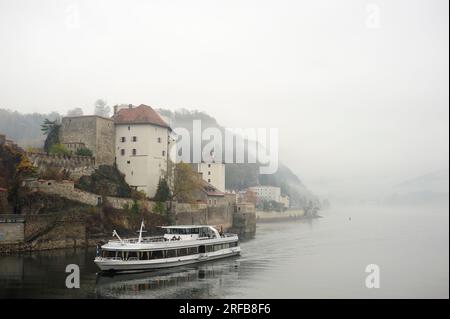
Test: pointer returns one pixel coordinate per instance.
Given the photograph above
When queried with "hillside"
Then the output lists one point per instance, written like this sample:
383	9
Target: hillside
240	176
25	130
431	188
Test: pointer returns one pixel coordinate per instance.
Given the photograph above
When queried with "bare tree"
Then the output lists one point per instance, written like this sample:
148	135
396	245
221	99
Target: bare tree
101	108
75	112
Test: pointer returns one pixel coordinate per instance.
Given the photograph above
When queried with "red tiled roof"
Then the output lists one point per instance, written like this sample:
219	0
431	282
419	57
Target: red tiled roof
142	114
210	190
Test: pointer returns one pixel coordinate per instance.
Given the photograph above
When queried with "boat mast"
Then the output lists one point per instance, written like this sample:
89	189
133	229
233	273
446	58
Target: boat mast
117	235
140	231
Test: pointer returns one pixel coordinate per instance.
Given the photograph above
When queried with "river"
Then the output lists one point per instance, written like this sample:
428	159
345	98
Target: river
320	258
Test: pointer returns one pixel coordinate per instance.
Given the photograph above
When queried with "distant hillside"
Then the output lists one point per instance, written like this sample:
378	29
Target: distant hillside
240	176
432	188
25	130
437	181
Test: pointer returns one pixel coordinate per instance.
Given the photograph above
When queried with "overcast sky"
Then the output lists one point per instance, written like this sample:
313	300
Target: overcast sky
358	89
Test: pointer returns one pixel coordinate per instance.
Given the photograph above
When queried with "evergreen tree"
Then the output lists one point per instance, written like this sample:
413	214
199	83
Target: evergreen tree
163	191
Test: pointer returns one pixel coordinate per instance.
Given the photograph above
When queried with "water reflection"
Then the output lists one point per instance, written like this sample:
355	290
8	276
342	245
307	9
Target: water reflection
202	281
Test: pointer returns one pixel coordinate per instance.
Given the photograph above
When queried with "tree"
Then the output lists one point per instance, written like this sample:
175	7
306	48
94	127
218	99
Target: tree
83	151
101	108
186	183
163	191
75	112
51	130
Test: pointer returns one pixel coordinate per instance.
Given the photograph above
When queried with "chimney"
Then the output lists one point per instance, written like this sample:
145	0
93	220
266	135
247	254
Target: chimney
115	109
130	106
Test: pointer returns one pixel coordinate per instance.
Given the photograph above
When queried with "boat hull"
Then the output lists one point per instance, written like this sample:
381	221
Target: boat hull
143	265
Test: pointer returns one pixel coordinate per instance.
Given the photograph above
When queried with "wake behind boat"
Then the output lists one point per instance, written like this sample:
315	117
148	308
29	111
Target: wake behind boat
180	245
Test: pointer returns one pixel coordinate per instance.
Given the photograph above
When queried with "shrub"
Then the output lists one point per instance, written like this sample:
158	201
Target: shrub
159	208
83	151
59	149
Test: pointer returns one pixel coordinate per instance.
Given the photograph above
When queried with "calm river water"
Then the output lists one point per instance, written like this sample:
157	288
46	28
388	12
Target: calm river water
321	258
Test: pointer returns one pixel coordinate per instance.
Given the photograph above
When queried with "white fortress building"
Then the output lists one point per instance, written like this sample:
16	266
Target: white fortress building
213	173
266	193
141	146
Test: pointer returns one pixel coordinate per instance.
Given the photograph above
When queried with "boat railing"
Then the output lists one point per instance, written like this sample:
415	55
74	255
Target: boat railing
136	240
156	239
109	258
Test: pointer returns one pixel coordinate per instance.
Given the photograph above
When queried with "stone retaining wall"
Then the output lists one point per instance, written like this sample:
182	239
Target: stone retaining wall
77	166
64	189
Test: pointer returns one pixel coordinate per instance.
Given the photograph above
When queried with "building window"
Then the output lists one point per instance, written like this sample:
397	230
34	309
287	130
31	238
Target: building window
209	180
128	127
209	173
134	138
128	162
122	152
134	152
163	153
209	165
215	202
122	139
159	140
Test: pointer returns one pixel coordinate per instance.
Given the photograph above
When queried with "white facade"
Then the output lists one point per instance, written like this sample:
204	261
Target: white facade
266	193
141	154
285	201
213	173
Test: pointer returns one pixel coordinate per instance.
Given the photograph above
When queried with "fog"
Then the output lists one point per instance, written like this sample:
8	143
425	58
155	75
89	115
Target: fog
358	89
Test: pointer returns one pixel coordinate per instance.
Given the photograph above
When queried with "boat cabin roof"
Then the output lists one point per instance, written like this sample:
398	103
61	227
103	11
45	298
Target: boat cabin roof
185	226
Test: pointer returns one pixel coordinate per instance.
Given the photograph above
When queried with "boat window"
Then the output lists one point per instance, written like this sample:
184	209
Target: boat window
193	250
157	254
182	252
234	244
171	253
209	248
132	254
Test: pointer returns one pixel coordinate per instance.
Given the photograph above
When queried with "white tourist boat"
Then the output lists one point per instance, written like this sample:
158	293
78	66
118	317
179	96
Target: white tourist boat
180	245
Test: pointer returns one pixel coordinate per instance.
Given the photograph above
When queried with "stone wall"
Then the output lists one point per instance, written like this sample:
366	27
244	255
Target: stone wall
120	203
4	205
41	232
271	216
95	132
202	214
77	166
64	189
67	190
11	229
244	224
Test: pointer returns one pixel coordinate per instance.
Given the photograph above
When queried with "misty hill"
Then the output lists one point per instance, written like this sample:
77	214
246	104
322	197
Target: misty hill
437	181
432	188
240	176
25	130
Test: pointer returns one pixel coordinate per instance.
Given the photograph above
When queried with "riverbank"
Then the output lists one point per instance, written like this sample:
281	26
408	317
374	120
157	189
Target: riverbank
273	216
